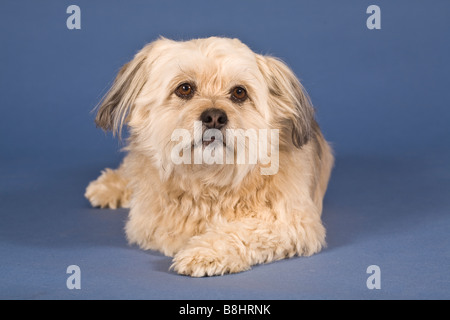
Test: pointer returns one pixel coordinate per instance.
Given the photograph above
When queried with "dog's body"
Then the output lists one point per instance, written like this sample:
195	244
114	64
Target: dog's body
214	218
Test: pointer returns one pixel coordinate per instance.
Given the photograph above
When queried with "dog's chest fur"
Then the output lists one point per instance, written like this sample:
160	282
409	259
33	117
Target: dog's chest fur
173	211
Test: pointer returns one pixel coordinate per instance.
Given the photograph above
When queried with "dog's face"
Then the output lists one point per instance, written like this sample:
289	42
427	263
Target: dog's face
202	84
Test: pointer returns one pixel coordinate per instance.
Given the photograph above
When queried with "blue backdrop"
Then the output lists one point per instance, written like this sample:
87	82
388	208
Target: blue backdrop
382	99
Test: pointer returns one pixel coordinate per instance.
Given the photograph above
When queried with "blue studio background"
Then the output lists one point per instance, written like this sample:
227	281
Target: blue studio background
382	99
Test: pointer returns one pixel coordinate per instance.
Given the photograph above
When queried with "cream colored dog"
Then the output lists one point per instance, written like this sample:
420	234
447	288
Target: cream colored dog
214	218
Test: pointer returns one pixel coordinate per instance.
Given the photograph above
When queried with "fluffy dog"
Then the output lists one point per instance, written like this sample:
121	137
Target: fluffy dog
222	217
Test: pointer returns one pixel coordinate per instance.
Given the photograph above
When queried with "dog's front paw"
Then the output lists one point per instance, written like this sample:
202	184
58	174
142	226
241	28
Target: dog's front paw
109	190
201	261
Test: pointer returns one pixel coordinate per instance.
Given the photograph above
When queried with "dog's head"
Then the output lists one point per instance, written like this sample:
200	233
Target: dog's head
173	93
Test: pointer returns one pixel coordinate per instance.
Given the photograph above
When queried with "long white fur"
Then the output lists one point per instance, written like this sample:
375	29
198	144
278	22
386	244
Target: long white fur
214	219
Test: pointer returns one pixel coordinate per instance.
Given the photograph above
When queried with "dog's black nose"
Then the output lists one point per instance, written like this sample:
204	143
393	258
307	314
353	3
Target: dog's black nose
214	118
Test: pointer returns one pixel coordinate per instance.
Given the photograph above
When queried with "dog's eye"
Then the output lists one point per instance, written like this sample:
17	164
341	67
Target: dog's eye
185	91
239	94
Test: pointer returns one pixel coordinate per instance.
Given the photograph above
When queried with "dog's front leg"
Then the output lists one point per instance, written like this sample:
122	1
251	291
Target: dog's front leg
110	189
230	247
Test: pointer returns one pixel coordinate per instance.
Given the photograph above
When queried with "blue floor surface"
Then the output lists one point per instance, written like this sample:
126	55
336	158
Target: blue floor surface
386	211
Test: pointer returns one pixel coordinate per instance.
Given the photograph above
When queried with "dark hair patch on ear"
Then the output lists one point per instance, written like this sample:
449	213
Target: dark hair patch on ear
303	117
315	139
274	89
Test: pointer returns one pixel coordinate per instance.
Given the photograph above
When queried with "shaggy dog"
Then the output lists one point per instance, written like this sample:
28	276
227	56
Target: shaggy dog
215	215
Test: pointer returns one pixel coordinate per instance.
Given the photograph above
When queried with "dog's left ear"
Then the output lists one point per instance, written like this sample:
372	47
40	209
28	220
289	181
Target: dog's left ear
120	99
288	98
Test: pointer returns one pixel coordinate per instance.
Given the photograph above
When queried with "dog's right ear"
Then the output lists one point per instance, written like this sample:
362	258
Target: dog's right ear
119	100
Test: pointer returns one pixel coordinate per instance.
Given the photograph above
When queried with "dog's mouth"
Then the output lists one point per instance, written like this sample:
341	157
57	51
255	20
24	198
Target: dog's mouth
208	139
213	139
205	143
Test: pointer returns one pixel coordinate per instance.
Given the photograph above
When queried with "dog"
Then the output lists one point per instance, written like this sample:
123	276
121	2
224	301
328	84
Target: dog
221	217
